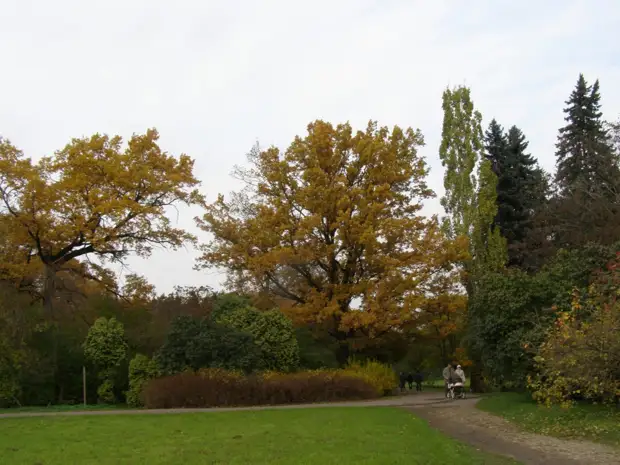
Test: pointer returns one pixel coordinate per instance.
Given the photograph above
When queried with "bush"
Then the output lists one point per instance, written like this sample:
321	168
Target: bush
380	376
272	331
195	344
141	370
218	388
580	359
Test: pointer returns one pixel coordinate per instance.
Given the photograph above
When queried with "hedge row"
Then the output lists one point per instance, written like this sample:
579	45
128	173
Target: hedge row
220	388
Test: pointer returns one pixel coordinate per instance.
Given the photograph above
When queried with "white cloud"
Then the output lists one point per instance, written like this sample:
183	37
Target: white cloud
215	76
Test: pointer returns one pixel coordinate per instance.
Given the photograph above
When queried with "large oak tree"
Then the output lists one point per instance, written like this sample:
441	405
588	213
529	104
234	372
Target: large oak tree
92	198
333	225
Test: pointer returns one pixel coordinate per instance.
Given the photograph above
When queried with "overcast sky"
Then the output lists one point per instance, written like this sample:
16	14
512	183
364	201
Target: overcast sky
214	77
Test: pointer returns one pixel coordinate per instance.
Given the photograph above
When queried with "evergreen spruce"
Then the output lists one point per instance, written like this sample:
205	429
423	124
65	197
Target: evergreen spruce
521	186
585	157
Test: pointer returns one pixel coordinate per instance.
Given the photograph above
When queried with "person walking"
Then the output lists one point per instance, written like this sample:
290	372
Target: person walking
448	377
410	381
418	378
402	378
459	373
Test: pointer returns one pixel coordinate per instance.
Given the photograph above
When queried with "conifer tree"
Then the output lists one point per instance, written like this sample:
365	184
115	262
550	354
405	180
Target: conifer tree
521	186
585	157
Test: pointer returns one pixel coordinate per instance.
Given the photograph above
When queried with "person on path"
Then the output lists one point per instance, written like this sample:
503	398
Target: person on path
410	381
418	378
402	378
459	373
448	377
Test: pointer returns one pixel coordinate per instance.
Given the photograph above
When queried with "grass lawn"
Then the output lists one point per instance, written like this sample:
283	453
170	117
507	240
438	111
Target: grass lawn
314	436
597	423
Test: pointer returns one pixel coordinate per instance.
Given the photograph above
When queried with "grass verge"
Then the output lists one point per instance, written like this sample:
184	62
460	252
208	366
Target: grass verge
315	436
64	408
593	422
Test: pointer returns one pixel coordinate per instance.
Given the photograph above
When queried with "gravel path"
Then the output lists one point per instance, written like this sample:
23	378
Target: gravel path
400	401
464	422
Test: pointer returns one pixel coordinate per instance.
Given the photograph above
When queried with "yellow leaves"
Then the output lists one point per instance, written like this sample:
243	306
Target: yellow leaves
93	196
335	219
137	289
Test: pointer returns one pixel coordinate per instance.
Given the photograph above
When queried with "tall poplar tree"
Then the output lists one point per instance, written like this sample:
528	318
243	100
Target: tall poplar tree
470	194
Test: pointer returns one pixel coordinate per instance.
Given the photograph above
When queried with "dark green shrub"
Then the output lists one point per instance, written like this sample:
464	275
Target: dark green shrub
195	344
273	333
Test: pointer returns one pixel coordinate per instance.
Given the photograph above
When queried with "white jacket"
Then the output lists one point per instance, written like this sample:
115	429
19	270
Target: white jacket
460	373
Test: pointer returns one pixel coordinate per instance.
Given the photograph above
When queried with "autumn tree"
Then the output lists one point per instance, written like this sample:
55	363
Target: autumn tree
440	320
333	225
92	198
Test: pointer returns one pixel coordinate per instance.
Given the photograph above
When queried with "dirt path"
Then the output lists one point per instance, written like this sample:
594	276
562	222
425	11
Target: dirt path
412	400
464	422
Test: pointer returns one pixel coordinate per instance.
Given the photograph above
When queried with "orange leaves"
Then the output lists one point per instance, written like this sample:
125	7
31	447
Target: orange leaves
94	197
333	224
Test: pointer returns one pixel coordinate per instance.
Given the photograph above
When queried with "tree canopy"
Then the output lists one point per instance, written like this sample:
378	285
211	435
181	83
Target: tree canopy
92	197
333	224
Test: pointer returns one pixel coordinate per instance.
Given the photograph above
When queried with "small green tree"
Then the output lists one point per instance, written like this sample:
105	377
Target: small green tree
273	332
105	347
194	344
141	370
224	304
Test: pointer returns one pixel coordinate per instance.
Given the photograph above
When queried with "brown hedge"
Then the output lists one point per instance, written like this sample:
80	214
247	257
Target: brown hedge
222	389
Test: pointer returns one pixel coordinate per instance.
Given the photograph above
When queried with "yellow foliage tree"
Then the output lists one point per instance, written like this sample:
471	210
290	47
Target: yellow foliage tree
441	319
91	198
333	225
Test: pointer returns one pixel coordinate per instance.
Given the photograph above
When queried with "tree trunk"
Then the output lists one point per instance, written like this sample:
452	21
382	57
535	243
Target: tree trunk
343	352
49	292
477	380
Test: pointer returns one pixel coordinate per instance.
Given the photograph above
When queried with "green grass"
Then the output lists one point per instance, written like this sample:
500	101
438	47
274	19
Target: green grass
310	436
597	423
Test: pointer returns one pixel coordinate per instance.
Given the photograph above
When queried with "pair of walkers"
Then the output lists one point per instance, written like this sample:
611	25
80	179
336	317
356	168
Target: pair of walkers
409	379
453	373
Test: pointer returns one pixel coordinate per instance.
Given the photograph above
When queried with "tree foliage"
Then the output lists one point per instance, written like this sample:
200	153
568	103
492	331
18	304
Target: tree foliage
105	347
580	359
511	310
141	370
441	319
332	225
272	331
585	158
194	344
586	205
470	196
92	197
521	188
